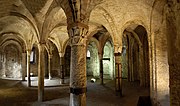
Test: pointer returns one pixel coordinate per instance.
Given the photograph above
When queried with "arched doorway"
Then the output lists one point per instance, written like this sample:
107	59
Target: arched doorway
12	56
34	60
67	61
108	61
135	55
92	60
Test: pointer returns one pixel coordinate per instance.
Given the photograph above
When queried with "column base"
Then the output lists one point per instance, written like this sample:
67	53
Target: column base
23	79
119	93
50	78
77	100
61	81
40	96
28	84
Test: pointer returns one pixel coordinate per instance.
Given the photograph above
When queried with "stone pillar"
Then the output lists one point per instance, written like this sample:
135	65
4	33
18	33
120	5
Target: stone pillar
41	69
173	37
118	73
49	66
78	78
28	68
4	66
141	67
61	68
101	68
130	58
23	66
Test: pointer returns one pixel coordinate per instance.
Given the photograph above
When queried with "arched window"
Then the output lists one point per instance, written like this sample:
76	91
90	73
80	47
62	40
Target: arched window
32	56
88	54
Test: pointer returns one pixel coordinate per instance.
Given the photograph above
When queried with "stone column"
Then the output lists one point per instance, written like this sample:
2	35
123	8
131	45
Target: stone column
41	69
49	66
101	68
78	78
118	73
141	67
23	66
28	53
4	65
61	68
130	58
173	37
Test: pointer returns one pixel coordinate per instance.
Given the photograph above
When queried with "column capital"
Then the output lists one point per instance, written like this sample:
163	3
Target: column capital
50	56
117	57
77	25
24	53
100	55
41	43
28	52
117	48
61	54
41	46
117	54
78	34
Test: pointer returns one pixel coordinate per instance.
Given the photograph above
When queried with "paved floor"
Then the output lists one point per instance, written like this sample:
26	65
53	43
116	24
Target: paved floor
15	93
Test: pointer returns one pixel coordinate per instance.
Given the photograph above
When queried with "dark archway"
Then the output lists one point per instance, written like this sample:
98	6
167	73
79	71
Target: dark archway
67	61
12	61
92	60
135	55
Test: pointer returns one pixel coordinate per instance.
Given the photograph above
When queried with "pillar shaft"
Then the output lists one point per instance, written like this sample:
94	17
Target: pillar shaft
28	68
61	70
78	75
173	36
78	78
118	73
23	66
174	71
3	65
49	66
141	67
41	68
101	69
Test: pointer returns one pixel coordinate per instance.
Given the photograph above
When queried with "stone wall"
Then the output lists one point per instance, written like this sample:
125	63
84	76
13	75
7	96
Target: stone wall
11	62
93	61
108	65
67	58
55	64
159	57
173	35
34	64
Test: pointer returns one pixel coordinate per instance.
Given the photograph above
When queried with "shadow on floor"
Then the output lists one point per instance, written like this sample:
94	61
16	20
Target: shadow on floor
15	93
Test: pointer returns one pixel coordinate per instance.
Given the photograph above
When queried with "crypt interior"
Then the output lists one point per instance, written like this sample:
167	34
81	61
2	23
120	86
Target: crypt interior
90	52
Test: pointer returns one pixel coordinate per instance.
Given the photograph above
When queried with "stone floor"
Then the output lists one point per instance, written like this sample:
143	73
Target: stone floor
15	93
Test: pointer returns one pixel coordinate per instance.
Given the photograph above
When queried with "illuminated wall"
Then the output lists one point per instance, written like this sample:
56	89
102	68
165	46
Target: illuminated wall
92	60
11	62
108	65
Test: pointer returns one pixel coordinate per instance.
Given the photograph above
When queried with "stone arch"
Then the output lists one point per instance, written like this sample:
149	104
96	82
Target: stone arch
67	56
56	18
108	60
34	63
55	58
159	55
92	39
109	24
11	36
12	26
64	45
57	45
92	62
137	47
11	54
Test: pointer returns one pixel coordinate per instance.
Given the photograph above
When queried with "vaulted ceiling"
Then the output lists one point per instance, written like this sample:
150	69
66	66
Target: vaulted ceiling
40	20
